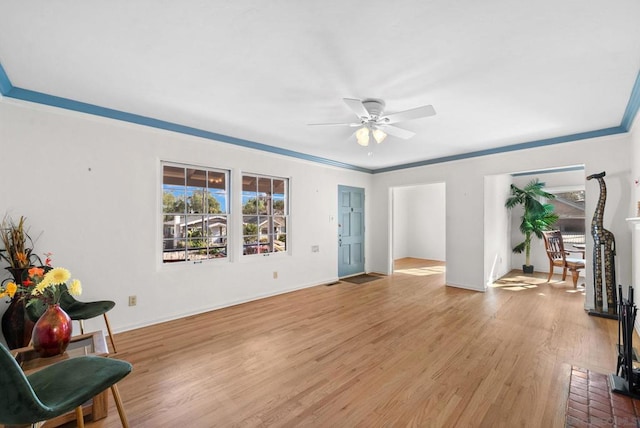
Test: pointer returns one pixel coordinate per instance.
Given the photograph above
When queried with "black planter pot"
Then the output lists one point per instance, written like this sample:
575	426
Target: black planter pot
527	268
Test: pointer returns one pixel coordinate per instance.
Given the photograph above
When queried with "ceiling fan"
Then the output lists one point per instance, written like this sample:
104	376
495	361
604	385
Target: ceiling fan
373	121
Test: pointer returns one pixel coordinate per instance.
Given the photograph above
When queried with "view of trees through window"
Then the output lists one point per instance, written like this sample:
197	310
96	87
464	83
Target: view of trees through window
570	208
194	213
264	214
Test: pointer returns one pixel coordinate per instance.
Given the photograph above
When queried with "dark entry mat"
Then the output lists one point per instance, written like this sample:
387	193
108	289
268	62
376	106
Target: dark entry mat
361	279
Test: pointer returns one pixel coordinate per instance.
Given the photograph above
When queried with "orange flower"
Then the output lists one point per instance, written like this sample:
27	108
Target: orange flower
22	258
36	271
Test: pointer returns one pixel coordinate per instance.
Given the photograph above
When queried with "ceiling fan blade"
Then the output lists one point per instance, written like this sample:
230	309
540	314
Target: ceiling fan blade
351	125
397	132
414	113
357	107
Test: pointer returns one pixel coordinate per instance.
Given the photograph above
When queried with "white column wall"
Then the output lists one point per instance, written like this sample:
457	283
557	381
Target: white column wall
635	168
634	227
497	227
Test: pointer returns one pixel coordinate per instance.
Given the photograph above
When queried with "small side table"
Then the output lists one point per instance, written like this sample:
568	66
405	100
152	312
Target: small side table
85	344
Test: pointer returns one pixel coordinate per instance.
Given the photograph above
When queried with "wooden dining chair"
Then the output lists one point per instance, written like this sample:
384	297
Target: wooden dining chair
559	257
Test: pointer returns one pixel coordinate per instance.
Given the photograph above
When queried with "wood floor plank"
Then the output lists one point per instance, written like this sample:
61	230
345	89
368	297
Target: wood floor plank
405	350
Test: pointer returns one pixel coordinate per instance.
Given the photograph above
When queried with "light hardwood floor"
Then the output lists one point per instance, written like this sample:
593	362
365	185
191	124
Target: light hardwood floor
405	350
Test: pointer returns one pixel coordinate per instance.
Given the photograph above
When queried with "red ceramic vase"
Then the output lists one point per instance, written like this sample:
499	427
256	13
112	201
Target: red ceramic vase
52	332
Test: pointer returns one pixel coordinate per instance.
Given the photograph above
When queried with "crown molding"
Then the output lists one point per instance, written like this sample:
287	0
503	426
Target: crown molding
5	83
511	148
8	90
632	105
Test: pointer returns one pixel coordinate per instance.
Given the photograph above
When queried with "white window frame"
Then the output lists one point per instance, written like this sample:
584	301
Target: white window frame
270	216
210	245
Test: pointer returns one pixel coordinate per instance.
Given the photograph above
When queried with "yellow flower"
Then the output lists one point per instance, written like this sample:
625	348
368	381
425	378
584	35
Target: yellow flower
57	276
75	288
39	289
11	289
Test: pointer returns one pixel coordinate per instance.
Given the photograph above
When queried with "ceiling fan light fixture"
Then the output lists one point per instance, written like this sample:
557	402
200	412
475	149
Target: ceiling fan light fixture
379	135
362	136
373	121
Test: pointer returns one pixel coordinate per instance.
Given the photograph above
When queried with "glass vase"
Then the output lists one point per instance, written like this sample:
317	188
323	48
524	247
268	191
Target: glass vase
52	332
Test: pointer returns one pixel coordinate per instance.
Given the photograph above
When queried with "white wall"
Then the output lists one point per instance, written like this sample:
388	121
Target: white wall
635	169
419	222
497	227
633	209
465	200
566	179
91	187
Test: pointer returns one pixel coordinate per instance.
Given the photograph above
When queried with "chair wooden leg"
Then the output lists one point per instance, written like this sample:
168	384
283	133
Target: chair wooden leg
574	277
79	417
550	272
113	343
119	406
564	273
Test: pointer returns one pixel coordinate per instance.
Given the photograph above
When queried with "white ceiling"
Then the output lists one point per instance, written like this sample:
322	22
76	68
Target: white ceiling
497	72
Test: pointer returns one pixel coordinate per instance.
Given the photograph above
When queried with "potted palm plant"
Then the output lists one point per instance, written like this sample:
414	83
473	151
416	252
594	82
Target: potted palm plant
536	218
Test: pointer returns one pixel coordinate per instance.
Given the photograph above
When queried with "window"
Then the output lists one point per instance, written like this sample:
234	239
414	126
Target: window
569	205
194	213
264	214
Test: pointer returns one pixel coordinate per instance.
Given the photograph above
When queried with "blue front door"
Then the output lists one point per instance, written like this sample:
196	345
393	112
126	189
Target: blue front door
350	231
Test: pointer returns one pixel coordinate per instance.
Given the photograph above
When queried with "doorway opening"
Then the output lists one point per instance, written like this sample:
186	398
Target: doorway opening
502	226
418	229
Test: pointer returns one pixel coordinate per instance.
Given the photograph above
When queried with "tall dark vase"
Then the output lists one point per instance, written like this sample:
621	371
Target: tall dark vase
16	325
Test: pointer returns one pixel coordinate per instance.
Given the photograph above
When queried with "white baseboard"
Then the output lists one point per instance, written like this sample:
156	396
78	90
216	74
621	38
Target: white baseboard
205	309
466	287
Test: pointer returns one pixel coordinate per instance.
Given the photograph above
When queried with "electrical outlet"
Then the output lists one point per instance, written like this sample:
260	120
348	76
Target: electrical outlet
315	248
275	275
133	300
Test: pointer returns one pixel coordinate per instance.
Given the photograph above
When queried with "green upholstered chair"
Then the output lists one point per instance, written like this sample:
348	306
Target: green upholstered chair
56	389
80	311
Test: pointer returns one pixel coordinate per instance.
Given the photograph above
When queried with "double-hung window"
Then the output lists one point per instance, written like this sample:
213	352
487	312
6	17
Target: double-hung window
195	210
265	214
